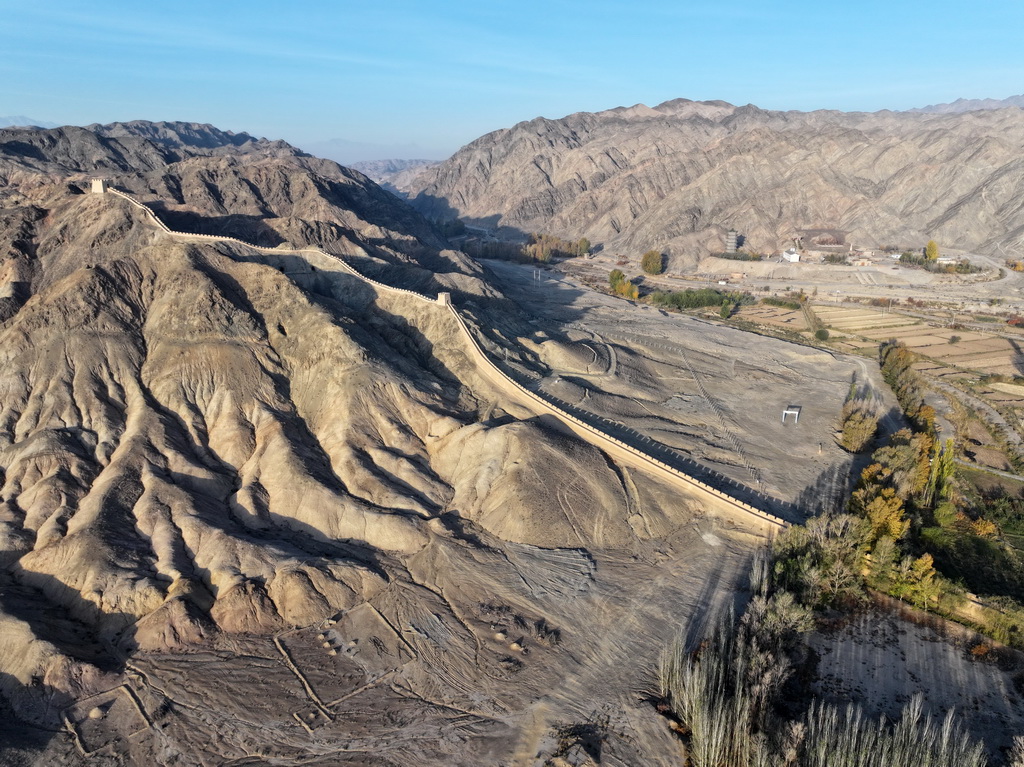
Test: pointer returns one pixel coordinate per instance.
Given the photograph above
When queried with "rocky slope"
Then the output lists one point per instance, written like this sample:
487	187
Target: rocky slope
203	447
679	175
204	180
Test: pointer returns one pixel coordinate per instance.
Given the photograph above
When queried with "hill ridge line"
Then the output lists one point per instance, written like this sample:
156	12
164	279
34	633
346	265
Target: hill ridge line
530	400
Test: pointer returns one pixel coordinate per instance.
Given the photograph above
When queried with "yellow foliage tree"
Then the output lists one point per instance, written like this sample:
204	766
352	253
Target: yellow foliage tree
885	514
985	528
931	250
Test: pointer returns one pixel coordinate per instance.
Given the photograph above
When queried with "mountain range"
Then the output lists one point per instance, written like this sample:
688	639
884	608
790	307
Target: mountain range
676	176
972	105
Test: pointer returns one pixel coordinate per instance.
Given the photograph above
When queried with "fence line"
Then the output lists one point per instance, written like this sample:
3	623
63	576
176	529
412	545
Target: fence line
497	376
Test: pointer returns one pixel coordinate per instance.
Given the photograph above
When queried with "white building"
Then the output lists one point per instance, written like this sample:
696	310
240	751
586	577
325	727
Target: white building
791	256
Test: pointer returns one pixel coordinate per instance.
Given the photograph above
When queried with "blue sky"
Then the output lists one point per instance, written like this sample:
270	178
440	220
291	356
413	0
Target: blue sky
415	78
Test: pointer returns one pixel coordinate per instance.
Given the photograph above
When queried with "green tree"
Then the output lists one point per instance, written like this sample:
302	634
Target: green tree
931	250
883	559
582	246
915	580
726	311
942	469
653	262
616	278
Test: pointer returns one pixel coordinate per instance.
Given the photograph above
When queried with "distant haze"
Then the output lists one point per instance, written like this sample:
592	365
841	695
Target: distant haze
22	121
972	105
349	152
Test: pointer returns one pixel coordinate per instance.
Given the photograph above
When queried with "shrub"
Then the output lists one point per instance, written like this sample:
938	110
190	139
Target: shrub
653	262
621	286
821	334
954	339
628	290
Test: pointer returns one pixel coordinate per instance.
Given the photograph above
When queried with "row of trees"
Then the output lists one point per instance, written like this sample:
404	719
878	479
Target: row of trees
698	298
544	247
540	248
917	525
897	362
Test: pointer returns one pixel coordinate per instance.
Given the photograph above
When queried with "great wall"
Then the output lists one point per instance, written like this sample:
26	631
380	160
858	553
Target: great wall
629	455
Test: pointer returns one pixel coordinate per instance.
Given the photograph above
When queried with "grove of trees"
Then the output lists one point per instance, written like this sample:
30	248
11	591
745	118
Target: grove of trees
544	247
697	298
540	248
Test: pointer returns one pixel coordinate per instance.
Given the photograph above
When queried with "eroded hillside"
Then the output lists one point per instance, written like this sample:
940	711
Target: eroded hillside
678	175
255	507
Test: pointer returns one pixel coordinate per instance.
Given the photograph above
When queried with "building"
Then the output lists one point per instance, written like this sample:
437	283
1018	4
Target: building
730	241
791	256
99	185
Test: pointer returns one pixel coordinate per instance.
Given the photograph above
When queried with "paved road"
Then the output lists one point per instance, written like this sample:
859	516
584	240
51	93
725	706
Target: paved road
990	470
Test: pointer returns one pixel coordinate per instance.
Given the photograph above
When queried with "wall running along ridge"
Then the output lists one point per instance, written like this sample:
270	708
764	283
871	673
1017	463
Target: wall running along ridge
627	454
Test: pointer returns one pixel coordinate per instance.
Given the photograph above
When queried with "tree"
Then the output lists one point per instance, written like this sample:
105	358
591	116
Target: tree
885	514
821	334
931	250
883	558
942	468
858	427
915	580
653	262
582	246
622	286
726	311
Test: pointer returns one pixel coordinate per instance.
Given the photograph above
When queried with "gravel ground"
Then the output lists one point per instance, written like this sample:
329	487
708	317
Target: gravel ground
711	392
